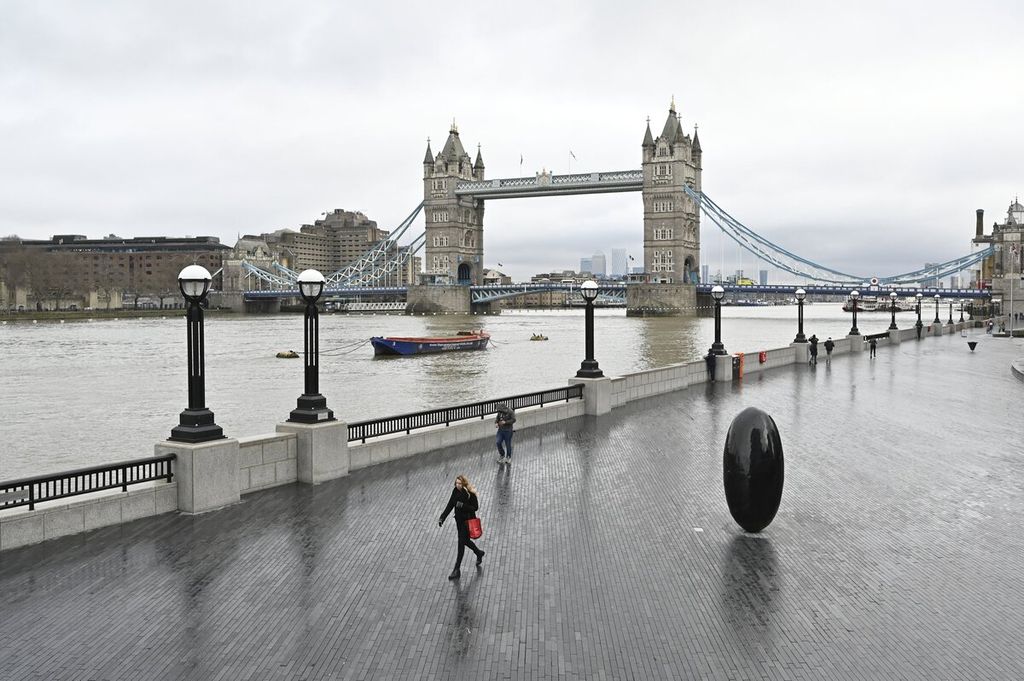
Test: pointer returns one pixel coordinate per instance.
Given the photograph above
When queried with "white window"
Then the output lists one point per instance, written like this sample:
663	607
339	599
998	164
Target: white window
663	261
440	241
662	233
440	185
662	206
440	216
440	264
663	170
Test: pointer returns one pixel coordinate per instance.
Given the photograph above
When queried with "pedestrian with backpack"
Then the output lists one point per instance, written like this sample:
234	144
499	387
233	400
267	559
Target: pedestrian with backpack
829	347
504	421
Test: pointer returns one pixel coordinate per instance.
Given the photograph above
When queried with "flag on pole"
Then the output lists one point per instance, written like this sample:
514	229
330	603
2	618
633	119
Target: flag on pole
572	154
631	258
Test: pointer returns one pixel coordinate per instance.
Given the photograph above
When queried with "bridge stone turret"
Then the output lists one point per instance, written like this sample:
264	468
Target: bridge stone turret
671	161
454	224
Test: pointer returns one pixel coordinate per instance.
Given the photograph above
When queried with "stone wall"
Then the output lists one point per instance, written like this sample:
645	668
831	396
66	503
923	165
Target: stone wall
660	300
266	461
102	509
433	299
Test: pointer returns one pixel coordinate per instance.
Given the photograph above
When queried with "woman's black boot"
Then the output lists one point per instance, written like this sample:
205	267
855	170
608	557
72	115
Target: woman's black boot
480	557
455	574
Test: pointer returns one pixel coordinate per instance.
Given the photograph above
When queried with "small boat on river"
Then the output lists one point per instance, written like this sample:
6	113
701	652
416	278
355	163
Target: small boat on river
414	345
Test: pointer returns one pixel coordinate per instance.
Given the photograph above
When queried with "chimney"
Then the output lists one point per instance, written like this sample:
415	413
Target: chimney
981	222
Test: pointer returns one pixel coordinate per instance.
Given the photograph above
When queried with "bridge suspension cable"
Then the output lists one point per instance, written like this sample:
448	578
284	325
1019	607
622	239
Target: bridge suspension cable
376	263
802	267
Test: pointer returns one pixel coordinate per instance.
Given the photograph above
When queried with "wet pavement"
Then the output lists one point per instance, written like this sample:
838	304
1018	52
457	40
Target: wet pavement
611	554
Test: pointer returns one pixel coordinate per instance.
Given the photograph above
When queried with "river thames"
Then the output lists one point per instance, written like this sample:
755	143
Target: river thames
90	392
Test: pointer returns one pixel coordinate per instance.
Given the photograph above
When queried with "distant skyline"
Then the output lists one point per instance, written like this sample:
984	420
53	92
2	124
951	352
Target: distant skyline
862	136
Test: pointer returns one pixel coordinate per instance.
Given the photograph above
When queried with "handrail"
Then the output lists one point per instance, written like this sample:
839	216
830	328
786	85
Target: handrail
40	488
462	412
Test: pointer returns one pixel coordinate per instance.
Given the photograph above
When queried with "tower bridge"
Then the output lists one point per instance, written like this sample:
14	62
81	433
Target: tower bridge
455	192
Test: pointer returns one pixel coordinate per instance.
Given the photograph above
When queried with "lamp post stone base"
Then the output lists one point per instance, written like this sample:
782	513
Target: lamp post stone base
856	342
206	473
802	351
311	409
895	336
321	449
597	394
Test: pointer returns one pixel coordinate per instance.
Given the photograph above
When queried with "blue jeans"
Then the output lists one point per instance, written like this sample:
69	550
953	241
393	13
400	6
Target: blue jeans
504	437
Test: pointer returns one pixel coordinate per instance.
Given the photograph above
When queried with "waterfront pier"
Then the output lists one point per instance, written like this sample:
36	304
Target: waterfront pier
611	552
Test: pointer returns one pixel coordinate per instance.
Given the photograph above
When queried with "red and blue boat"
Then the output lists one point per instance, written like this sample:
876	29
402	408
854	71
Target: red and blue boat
396	345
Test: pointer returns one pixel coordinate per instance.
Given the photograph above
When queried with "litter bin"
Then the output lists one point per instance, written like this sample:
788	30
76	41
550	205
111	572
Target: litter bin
737	365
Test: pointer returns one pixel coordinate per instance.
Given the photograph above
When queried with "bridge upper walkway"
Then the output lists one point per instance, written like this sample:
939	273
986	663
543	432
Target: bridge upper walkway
610	551
617	291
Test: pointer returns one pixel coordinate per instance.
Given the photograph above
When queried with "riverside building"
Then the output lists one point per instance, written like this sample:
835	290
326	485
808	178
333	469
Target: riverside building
71	271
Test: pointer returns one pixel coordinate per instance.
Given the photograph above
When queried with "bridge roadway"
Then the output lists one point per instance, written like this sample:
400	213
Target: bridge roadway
610	551
491	292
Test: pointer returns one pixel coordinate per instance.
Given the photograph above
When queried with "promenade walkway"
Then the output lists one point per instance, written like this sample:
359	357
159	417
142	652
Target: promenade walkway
611	554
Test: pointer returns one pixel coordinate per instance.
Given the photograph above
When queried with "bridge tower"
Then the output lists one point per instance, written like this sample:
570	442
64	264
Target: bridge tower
671	218
454	232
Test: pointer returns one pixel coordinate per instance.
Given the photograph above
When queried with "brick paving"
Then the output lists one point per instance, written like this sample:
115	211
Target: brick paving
611	554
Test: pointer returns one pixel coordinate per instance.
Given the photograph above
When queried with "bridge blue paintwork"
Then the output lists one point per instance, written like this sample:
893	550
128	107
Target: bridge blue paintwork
617	291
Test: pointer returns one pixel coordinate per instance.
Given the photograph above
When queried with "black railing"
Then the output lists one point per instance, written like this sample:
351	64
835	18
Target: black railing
463	412
31	491
876	336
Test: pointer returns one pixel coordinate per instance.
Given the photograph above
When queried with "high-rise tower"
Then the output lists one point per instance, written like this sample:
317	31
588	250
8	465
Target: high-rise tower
671	218
454	232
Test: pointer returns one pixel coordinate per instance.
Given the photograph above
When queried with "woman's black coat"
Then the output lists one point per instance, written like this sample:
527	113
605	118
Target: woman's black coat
464	504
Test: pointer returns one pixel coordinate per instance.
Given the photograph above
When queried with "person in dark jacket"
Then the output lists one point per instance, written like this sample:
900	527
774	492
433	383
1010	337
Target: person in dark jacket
465	504
829	347
503	421
813	340
873	345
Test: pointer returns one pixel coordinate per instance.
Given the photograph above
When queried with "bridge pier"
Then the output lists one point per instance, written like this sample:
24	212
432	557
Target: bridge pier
435	299
661	300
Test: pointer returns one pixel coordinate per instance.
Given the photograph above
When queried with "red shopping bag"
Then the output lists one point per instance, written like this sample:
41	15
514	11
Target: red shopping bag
476	530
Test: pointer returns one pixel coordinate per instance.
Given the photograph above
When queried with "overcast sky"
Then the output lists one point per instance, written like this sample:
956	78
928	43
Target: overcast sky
860	135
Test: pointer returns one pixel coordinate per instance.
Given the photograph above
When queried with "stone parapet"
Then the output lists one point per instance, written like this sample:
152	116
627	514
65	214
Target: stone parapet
321	449
266	461
49	520
206	473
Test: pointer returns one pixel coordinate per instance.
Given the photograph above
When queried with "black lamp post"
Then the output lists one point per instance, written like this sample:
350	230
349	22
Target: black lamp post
961	310
195	424
950	322
800	295
312	406
892	308
919	325
717	348
854	295
588	367
937	320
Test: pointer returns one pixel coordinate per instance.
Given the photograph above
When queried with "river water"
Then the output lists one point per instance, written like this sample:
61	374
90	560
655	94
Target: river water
90	392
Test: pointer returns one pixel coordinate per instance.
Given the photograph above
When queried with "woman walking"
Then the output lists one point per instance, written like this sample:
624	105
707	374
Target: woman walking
465	504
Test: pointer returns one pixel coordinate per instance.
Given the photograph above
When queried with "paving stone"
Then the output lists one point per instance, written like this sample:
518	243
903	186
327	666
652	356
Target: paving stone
611	553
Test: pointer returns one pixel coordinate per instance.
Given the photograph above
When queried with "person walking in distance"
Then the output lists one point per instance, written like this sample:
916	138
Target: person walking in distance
465	503
872	345
813	340
504	421
829	347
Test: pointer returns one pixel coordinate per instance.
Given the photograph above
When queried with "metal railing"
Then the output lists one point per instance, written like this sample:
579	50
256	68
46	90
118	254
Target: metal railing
31	491
463	412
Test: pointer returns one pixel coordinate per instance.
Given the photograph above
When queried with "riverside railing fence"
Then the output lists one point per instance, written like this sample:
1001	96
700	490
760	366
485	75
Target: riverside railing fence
31	491
463	412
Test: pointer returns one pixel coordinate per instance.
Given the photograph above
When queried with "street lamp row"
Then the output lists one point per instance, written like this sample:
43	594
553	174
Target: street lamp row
196	423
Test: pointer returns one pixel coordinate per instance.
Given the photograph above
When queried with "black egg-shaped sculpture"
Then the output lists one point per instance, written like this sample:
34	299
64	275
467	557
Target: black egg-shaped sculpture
752	469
